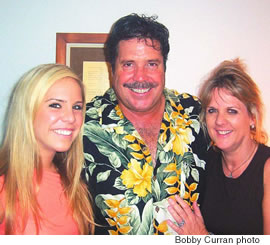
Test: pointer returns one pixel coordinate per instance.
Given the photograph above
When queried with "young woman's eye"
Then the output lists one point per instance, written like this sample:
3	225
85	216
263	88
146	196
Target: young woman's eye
55	105
211	110
77	107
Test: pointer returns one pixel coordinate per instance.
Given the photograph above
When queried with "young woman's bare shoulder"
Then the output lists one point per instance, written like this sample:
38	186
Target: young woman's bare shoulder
2	210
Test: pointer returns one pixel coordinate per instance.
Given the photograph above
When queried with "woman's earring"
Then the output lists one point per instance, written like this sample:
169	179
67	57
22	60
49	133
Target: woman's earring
252	126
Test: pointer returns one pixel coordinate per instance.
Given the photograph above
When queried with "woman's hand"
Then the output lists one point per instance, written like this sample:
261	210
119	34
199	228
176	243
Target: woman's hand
189	222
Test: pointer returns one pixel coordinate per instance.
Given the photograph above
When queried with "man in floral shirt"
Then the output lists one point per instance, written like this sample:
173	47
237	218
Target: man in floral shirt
143	143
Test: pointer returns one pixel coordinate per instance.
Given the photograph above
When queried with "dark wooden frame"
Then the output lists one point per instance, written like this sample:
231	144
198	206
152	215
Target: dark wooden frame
63	38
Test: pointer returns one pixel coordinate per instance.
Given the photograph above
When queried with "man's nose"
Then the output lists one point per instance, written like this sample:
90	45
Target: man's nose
140	74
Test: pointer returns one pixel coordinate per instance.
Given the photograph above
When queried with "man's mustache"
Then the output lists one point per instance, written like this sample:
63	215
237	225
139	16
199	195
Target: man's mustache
140	85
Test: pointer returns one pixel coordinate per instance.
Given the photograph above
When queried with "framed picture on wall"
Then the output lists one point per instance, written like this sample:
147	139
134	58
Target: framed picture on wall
84	53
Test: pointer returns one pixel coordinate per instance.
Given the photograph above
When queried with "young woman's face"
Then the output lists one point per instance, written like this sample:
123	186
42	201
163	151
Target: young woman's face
59	117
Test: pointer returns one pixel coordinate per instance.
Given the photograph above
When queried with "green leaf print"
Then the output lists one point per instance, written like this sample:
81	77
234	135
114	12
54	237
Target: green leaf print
89	157
135	220
189	110
103	141
103	176
195	174
199	163
128	127
113	115
96	112
118	184
110	91
156	189
91	168
115	160
118	140
195	125
97	103
92	112
147	197
186	170
188	158
166	157
146	227
131	198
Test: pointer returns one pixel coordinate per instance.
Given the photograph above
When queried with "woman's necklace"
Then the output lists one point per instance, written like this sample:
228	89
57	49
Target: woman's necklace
232	171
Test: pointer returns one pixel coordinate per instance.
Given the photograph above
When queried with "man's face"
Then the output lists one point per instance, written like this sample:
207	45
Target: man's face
139	76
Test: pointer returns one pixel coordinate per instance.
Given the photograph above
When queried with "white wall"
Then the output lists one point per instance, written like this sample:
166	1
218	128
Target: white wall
202	34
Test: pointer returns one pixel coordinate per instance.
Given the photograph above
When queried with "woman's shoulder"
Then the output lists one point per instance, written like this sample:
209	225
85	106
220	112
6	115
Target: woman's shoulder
263	153
264	148
267	172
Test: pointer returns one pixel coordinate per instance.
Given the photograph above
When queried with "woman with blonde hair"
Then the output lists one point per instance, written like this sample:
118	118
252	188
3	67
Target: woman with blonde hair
41	156
237	192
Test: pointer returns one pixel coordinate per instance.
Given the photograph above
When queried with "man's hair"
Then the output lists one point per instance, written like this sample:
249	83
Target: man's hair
141	27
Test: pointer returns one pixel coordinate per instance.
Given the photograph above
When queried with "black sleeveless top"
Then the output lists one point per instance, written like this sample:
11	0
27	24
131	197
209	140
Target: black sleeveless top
234	206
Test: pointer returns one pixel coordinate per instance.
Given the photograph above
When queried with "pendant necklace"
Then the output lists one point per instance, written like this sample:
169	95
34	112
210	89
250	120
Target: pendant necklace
232	171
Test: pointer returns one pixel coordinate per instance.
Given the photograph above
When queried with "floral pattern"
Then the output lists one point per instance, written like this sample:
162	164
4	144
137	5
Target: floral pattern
129	193
137	178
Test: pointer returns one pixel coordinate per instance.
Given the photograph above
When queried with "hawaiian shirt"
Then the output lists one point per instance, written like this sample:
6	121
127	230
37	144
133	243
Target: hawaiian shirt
129	194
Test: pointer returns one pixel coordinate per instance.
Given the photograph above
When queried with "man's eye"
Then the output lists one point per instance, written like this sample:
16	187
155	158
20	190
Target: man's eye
153	64
127	64
55	105
77	107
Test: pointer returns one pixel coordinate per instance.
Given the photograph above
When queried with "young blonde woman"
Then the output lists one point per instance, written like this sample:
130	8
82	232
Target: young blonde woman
41	156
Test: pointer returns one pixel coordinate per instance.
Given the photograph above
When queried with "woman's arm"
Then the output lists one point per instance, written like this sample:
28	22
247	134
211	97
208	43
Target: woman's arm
266	198
189	222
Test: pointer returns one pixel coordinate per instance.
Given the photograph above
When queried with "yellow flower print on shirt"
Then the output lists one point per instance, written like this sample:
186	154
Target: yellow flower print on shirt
138	178
181	133
118	217
181	141
119	112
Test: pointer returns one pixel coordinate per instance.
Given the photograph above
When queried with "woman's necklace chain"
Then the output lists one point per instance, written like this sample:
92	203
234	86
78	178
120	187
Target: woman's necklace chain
231	172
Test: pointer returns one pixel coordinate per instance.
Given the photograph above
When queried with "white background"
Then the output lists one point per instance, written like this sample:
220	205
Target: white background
202	34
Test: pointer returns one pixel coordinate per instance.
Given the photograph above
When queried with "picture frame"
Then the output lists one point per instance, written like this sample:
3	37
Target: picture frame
84	54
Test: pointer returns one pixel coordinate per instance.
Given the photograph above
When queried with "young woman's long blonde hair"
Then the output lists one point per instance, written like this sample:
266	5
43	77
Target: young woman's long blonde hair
19	155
